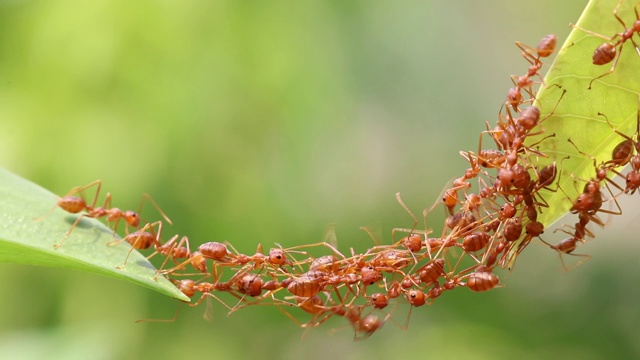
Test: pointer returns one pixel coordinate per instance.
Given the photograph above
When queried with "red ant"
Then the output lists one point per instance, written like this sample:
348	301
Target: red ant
220	253
190	287
545	48
533	229
510	136
527	193
75	204
142	239
147	237
243	282
608	51
623	154
307	285
320	310
363	326
175	250
590	199
323	310
483	279
567	246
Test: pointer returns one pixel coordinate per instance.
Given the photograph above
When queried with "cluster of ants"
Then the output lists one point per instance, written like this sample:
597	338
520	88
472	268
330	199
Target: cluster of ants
484	229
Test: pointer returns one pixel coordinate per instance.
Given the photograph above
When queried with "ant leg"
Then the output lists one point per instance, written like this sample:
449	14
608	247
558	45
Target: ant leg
169	253
615	13
112	217
173	319
150	199
604	37
406	208
75	223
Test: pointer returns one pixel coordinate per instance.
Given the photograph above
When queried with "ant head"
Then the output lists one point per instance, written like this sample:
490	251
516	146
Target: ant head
132	218
413	242
379	300
416	297
507	211
584	202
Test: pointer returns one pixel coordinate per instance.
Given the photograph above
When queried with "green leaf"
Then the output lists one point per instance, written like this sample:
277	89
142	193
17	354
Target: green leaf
29	229
576	116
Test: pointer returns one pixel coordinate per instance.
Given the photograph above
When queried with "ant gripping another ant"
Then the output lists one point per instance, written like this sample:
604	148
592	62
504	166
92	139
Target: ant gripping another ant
481	232
590	201
74	202
545	48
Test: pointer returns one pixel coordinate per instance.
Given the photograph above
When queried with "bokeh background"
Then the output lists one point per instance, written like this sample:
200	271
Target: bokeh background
262	122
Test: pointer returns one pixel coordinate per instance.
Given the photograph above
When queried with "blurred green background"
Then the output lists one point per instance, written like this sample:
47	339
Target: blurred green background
262	122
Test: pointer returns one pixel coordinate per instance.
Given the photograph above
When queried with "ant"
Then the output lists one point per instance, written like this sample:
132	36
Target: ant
431	272
567	246
623	154
545	48
308	284
219	253
75	204
532	229
608	51
243	282
189	288
320	310
590	201
483	279
142	239
363	326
